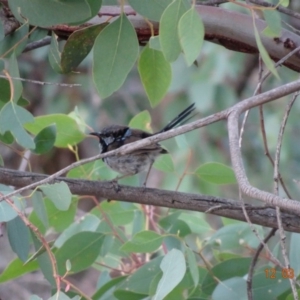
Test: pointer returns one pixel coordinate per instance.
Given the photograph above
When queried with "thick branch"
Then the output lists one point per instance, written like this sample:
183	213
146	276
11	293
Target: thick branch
222	207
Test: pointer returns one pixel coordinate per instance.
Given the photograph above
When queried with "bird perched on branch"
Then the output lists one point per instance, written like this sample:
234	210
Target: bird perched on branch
115	136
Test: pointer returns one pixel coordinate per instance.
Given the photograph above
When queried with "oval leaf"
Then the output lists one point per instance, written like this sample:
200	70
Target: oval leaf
59	194
155	73
68	132
78	46
45	140
12	118
168	33
115	52
216	173
141	121
151	9
191	35
18	236
143	242
49	13
172	273
81	250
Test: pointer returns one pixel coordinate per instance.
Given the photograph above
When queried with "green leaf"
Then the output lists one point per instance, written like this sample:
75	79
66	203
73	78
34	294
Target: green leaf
193	266
143	242
7	213
264	54
16	268
138	282
173	273
141	121
68	132
230	268
191	35
118	215
59	194
60	219
18	236
12	42
115	52
273	20
46	13
216	173
87	223
7	138
164	163
12	118
43	261
108	286
54	55
78	46
151	9
39	207
233	288
284	3
155	73
81	249
45	139
154	43
168	32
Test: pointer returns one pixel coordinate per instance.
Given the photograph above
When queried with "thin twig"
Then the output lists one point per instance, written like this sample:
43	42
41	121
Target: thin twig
277	7
276	191
254	260
38	44
42	82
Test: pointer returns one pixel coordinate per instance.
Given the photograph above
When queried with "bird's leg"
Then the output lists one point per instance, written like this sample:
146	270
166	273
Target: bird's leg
148	172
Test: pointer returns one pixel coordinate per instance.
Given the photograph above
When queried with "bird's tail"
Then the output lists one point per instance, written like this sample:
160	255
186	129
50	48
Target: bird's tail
180	119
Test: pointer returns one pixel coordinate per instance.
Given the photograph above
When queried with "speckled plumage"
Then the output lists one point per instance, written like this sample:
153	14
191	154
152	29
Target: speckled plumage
115	136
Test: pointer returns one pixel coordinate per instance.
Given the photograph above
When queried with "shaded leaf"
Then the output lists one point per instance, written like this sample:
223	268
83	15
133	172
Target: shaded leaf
68	132
59	194
143	242
151	9
155	73
216	173
115	52
18	236
45	139
85	249
141	121
12	41
191	35
12	118
54	55
168	32
78	46
16	268
45	13
264	54
172	273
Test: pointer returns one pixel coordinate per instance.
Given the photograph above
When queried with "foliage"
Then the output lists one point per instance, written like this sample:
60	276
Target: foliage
140	252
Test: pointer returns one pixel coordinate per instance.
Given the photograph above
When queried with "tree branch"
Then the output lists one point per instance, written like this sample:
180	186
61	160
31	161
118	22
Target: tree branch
264	216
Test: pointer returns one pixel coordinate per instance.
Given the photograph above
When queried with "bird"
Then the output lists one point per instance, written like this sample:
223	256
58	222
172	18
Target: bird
115	136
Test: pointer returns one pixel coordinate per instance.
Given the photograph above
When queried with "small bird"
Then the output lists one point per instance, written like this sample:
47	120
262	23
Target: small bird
115	136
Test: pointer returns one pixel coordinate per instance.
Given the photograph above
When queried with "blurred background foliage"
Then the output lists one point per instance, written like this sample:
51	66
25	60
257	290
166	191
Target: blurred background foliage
220	79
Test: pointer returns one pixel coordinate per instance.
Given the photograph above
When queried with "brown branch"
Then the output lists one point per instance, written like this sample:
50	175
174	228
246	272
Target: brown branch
264	216
220	27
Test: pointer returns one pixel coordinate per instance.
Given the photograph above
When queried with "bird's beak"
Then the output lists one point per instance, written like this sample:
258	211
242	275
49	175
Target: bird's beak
95	134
